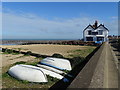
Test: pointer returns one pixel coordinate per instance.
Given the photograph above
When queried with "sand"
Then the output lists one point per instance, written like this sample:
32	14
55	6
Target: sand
47	49
44	49
8	59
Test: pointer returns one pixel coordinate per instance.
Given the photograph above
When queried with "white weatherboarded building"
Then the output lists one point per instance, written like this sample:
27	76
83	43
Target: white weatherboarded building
95	33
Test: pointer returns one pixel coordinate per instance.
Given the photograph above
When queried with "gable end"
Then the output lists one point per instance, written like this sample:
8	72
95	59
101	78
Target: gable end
87	27
103	26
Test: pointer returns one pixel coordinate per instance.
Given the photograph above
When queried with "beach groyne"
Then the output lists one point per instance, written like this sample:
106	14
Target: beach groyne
59	42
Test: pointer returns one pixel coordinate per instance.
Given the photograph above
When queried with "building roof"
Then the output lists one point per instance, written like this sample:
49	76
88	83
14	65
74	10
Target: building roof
92	26
88	26
103	26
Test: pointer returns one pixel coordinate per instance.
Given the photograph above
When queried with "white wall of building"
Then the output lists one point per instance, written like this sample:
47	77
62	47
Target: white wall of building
100	30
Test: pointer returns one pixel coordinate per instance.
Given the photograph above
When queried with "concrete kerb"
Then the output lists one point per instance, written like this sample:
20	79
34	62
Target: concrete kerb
110	69
114	56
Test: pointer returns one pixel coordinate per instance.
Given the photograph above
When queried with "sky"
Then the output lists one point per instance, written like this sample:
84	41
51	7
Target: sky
55	20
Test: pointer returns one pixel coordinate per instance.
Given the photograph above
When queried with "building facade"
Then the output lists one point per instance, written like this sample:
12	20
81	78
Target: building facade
97	33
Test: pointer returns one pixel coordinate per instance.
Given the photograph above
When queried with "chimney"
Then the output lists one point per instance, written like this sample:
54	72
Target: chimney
96	24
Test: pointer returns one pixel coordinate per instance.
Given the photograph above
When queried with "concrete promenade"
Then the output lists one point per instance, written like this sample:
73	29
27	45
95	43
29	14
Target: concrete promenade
100	72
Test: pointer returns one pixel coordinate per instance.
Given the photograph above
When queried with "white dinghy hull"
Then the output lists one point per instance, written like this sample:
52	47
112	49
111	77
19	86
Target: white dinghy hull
51	73
58	63
51	69
27	72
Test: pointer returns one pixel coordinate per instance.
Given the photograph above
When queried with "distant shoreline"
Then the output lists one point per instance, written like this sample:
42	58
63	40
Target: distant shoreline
58	42
32	41
39	39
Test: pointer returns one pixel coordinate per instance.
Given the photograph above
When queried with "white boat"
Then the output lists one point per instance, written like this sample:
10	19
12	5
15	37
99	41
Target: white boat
58	63
51	69
27	72
51	73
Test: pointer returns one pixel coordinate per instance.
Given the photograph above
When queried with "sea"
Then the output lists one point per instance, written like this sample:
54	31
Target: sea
40	39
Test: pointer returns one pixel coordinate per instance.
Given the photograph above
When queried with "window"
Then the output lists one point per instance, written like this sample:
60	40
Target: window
89	38
89	32
100	32
100	38
94	33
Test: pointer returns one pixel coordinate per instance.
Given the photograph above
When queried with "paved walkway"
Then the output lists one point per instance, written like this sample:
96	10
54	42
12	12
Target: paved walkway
106	74
100	72
111	69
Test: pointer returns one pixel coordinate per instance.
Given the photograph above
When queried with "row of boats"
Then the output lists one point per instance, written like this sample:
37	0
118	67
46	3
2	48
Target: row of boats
54	67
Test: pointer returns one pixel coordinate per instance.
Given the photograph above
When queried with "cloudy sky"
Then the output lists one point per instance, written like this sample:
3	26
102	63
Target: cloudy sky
55	20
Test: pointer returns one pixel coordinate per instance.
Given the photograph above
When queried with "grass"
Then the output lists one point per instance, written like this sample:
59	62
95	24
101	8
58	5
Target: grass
80	53
51	80
10	82
10	52
66	71
15	53
26	55
21	62
77	56
5	53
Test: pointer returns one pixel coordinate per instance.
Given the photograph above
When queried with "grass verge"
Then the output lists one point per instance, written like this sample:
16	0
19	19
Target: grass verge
77	56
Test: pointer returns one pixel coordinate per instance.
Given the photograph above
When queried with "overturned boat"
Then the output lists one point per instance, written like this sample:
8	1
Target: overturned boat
28	72
58	63
51	69
51	73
